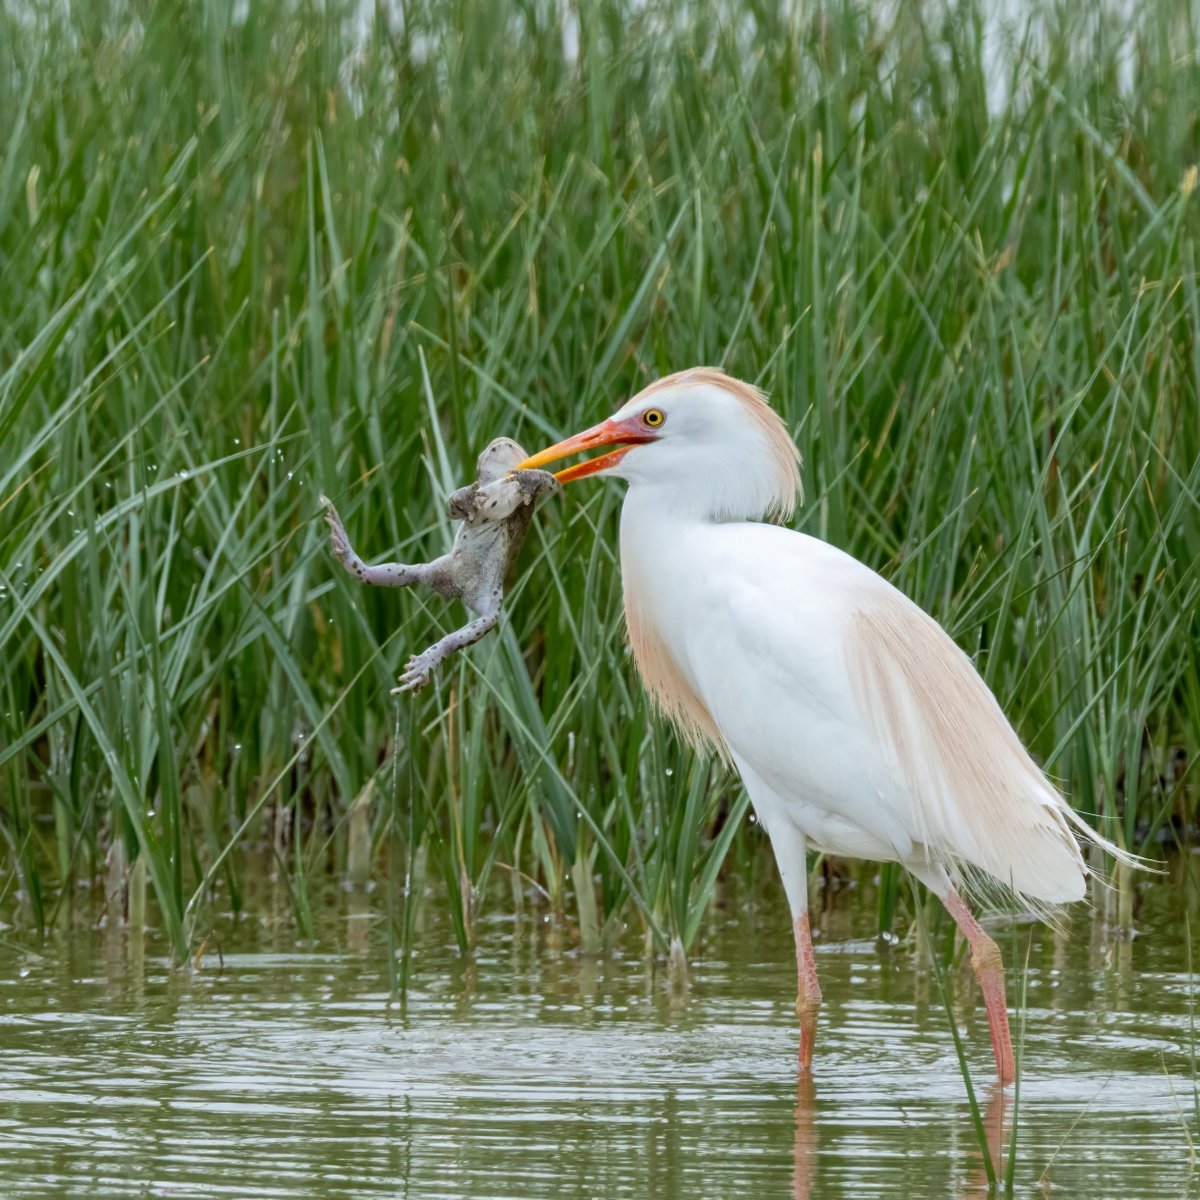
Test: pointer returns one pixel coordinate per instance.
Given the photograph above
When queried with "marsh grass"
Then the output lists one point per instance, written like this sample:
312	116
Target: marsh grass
249	257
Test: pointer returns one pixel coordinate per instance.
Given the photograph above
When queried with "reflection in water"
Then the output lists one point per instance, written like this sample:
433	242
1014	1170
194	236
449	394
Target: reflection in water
804	1147
535	1072
976	1185
995	1133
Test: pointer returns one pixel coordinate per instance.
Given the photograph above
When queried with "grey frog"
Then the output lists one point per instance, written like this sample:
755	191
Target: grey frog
495	512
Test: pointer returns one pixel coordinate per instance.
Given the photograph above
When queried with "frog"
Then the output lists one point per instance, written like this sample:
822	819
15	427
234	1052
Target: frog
494	512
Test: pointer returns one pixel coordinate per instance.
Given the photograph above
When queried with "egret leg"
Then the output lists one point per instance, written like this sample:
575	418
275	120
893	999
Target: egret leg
989	969
808	990
791	854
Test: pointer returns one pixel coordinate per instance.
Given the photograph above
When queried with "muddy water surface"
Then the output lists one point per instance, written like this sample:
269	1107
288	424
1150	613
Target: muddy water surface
535	1072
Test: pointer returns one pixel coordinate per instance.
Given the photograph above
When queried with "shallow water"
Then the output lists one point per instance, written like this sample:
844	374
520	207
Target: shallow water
537	1072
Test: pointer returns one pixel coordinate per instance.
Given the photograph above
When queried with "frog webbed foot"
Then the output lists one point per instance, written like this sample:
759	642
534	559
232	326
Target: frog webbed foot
535	484
421	666
339	543
418	671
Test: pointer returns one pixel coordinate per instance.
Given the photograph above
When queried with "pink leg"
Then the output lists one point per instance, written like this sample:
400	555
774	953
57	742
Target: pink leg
808	992
989	969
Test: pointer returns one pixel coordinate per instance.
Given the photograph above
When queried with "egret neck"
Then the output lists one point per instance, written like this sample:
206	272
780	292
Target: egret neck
662	568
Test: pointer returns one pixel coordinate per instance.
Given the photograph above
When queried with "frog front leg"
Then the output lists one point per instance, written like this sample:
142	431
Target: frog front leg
461	505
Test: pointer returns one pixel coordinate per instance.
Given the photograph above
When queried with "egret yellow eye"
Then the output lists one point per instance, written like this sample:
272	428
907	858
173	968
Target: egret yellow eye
653	417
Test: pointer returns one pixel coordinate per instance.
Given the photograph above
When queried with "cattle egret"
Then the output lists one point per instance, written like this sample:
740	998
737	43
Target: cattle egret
857	725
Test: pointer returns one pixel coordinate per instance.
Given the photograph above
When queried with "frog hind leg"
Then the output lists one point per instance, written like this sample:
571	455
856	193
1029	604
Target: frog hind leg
437	574
420	667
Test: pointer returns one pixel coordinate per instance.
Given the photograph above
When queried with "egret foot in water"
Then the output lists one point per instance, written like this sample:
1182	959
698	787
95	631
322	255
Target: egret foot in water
989	970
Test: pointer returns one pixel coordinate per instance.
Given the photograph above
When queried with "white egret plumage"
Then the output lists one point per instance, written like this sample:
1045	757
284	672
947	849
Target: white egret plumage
856	723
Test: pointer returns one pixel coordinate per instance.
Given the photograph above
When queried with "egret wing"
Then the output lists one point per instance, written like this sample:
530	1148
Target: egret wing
857	706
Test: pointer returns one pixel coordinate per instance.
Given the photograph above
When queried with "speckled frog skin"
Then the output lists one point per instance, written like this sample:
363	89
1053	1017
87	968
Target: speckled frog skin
495	512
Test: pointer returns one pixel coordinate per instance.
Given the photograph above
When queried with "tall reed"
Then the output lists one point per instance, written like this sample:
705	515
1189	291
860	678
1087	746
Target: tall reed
248	255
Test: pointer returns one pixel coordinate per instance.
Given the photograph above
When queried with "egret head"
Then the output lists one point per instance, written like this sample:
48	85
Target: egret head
704	442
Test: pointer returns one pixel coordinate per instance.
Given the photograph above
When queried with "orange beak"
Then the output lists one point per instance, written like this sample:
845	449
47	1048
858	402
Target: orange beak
622	434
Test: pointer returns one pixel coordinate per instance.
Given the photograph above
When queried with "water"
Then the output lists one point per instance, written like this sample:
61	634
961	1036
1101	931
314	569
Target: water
536	1072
